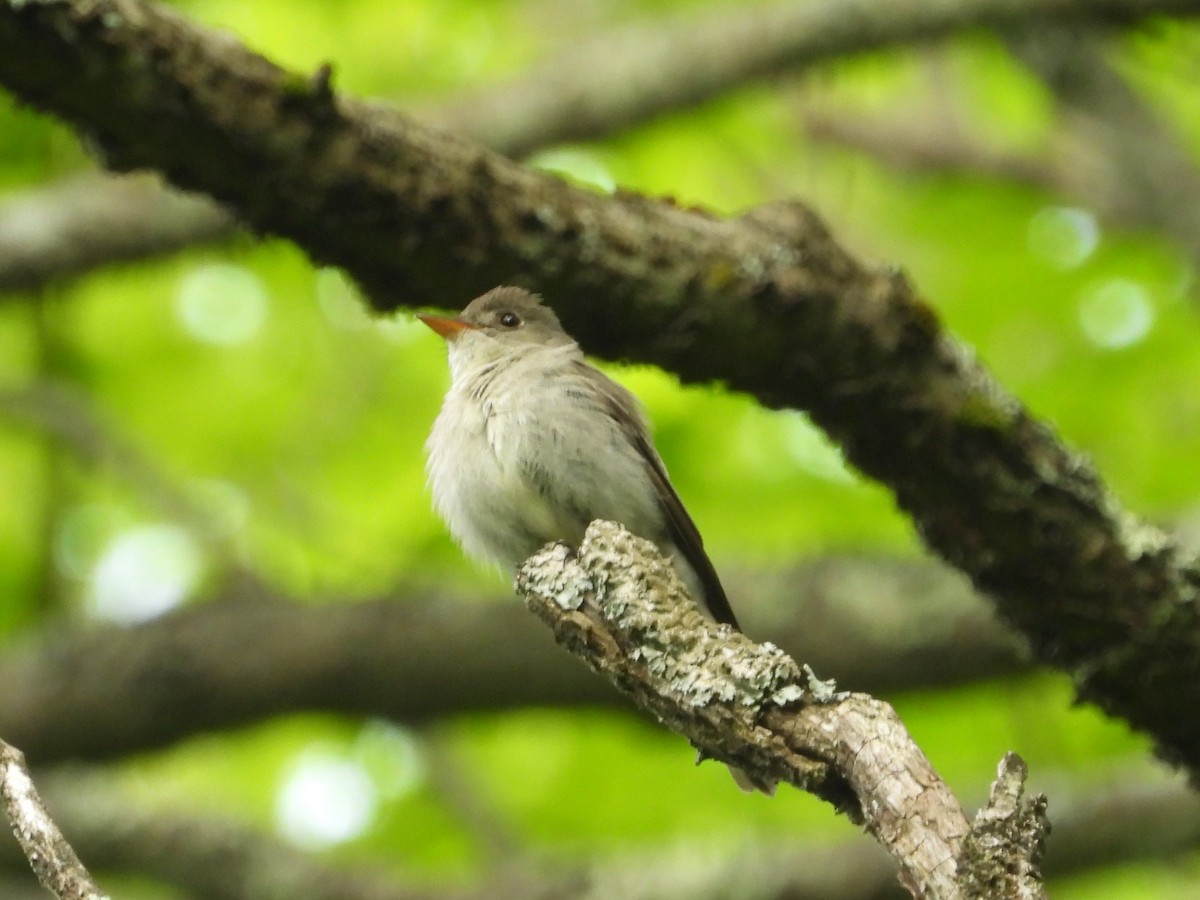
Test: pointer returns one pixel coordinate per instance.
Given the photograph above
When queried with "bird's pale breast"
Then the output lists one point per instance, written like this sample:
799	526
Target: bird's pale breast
517	461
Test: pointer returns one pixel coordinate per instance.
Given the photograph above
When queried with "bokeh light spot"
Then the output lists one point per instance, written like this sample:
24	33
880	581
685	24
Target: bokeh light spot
222	304
1063	235
326	799
1116	314
143	573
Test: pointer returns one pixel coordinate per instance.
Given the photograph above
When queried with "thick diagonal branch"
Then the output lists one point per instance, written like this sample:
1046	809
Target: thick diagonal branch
769	303
619	79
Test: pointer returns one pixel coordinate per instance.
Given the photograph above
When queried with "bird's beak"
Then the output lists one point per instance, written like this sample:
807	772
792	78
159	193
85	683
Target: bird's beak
447	327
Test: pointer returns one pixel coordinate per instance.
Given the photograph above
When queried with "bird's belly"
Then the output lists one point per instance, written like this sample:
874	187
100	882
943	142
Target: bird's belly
491	508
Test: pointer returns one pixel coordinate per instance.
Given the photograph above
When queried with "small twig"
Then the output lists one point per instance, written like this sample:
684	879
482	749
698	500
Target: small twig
1001	855
53	861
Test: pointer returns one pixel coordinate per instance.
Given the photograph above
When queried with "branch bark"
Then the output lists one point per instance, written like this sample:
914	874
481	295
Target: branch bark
769	303
618	80
1003	852
619	605
54	862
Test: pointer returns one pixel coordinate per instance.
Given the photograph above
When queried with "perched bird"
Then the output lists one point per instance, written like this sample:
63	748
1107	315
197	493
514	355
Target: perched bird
533	443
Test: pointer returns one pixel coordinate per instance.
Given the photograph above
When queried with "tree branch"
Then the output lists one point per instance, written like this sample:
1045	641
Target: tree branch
627	76
88	221
619	605
622	78
916	143
1002	854
54	862
769	303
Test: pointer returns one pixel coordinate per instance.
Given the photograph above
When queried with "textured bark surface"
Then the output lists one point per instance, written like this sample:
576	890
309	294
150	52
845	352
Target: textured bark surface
768	303
615	80
53	860
618	605
1001	856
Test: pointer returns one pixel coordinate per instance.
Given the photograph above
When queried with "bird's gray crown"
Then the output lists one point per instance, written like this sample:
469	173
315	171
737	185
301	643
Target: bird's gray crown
514	315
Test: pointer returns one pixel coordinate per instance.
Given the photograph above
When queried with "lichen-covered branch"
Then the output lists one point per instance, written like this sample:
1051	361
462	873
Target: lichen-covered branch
53	861
769	303
617	604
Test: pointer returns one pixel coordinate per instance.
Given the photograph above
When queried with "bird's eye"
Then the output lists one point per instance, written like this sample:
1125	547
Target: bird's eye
510	319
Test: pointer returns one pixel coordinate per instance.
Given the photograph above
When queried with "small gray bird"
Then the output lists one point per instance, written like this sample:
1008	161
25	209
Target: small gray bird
533	443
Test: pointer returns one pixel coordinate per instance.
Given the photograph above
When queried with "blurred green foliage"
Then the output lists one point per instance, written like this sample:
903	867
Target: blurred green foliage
300	423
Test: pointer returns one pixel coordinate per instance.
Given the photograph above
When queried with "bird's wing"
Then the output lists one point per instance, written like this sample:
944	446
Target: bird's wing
623	407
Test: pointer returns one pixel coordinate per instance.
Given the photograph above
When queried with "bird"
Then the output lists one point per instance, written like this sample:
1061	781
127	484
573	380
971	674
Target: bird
533	443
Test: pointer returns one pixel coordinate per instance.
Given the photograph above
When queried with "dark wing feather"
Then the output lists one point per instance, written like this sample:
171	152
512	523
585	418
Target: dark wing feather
687	537
683	531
